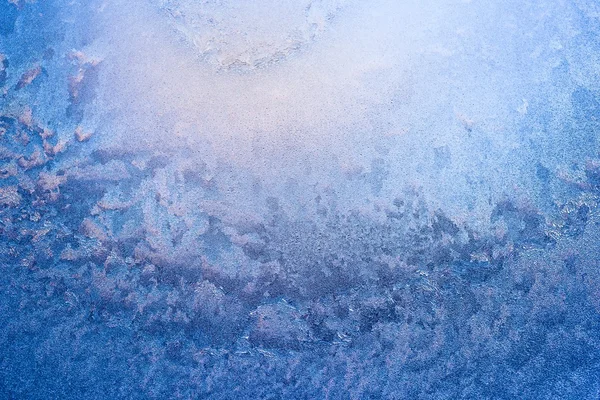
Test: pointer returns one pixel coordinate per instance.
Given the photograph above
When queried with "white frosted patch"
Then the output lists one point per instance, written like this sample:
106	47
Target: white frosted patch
249	34
380	97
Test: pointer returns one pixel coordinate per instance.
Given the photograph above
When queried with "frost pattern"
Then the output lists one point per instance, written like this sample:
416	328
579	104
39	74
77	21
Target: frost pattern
250	34
432	237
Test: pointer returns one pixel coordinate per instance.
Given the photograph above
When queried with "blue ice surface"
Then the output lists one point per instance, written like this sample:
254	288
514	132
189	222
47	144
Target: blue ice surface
108	292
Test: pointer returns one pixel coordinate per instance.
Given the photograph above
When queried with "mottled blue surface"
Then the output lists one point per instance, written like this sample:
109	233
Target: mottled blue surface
130	274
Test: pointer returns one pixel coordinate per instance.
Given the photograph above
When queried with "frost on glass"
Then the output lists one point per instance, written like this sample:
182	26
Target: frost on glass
249	34
296	199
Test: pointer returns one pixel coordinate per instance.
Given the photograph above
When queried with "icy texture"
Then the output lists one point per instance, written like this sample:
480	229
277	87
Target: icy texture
227	199
249	34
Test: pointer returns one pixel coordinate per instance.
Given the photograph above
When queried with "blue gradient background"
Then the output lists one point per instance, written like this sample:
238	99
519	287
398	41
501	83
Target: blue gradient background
299	200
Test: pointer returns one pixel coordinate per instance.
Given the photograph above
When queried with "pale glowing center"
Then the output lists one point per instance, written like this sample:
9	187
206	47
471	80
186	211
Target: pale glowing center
249	34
